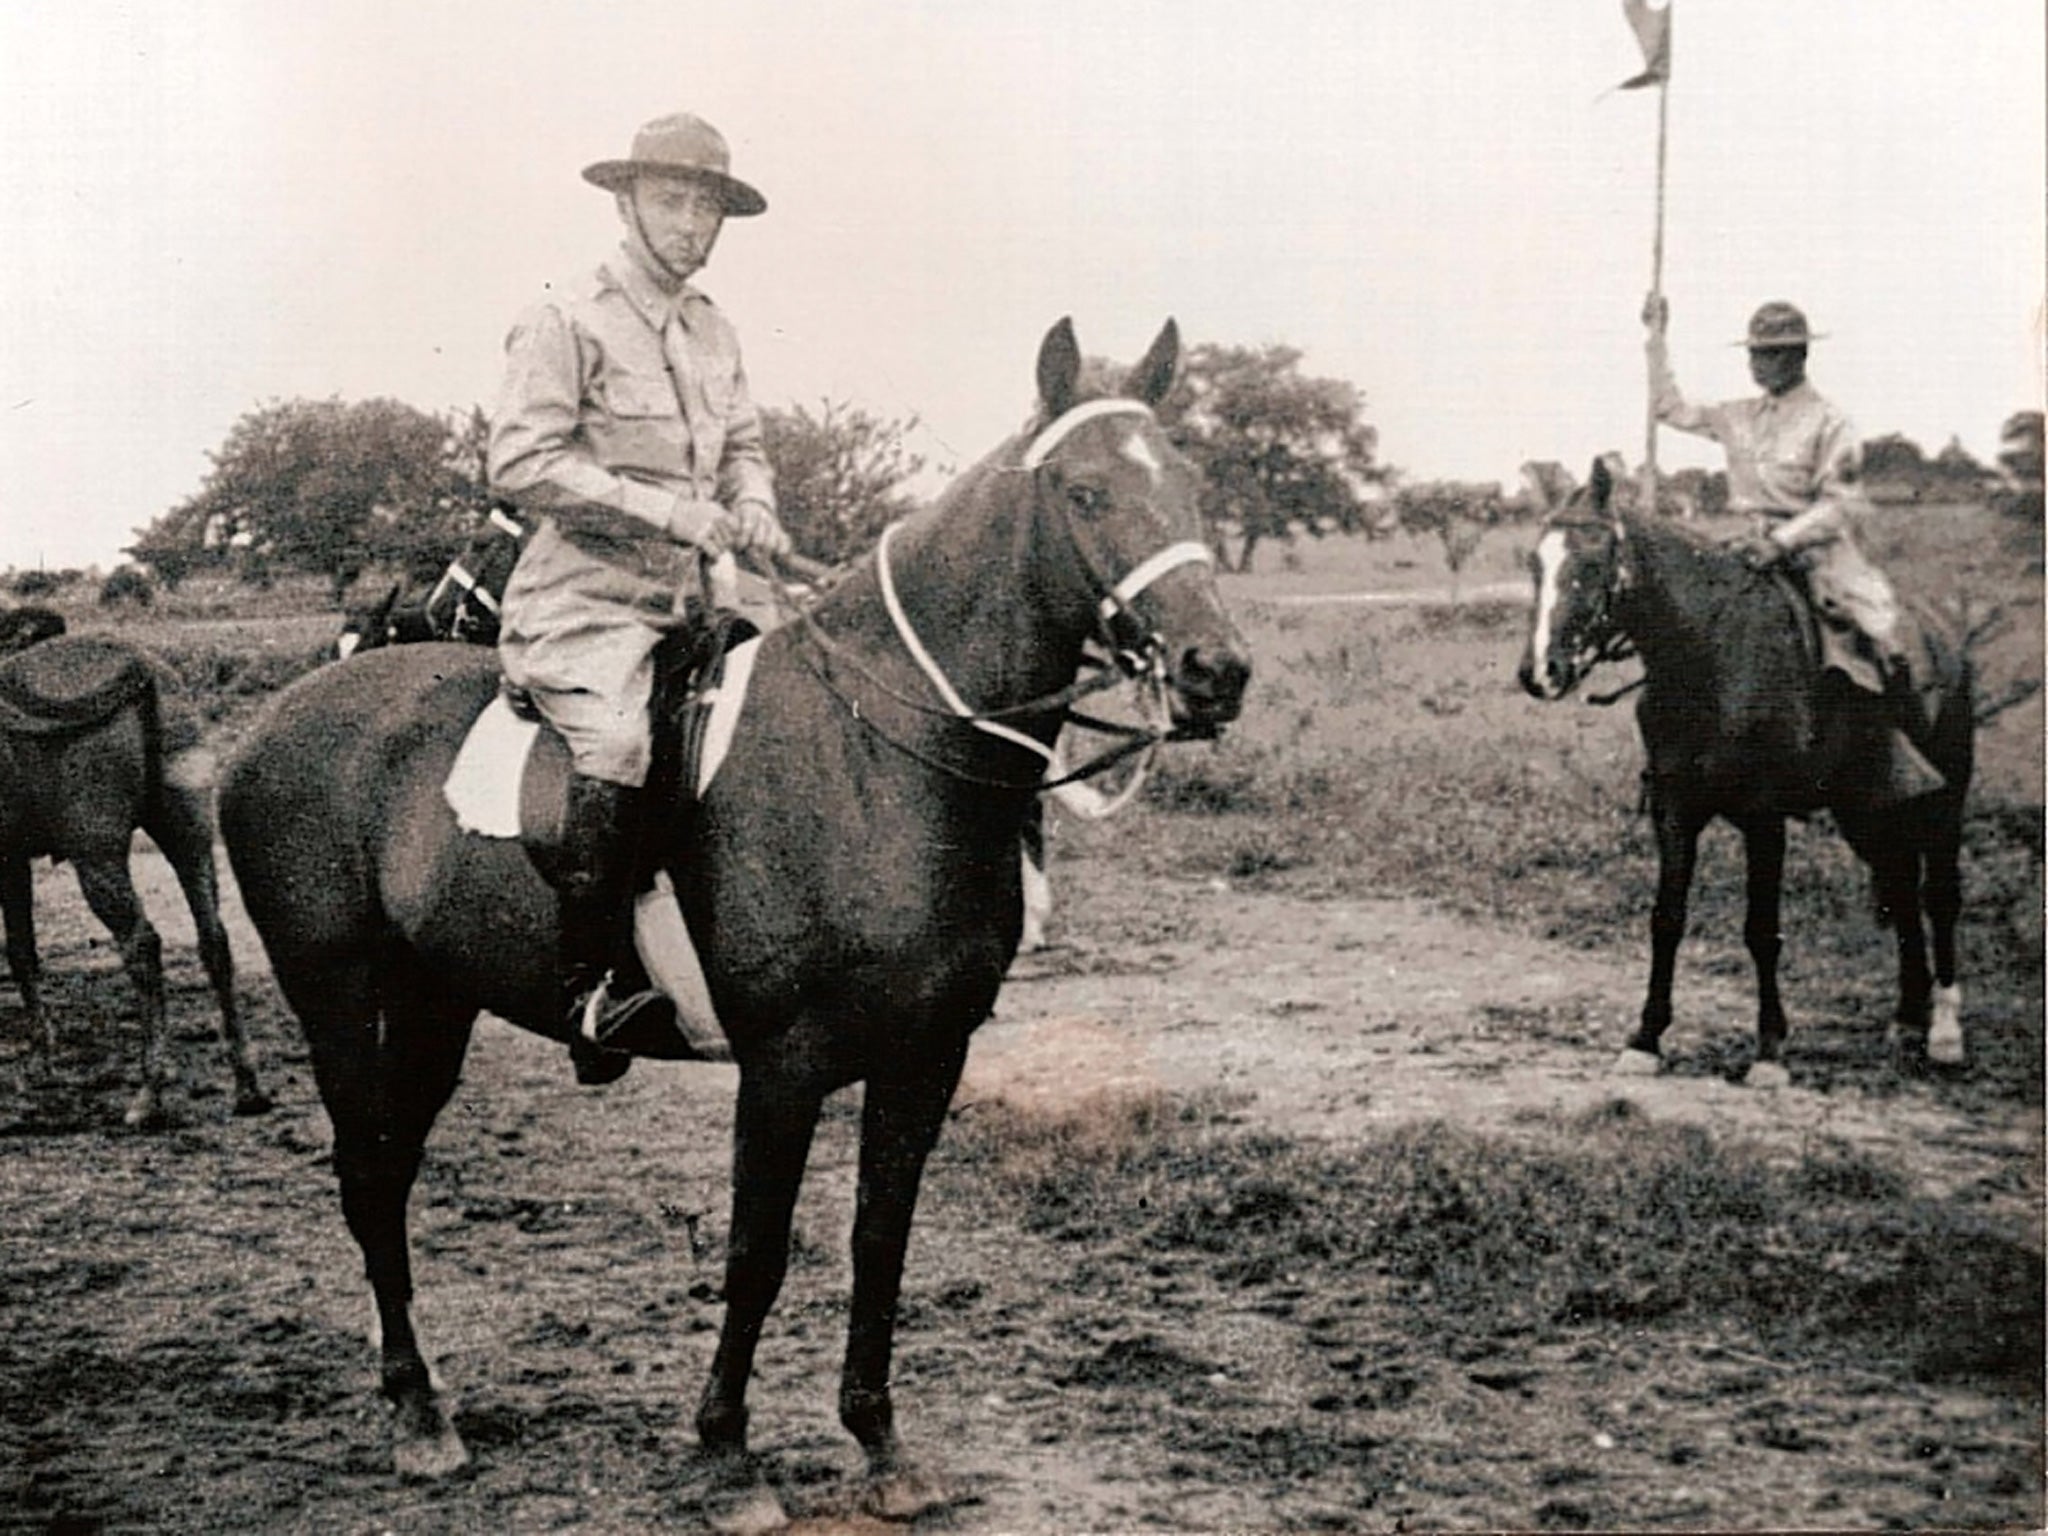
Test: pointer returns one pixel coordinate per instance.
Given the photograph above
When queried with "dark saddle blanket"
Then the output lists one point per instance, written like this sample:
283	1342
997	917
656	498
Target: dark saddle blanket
1934	651
71	683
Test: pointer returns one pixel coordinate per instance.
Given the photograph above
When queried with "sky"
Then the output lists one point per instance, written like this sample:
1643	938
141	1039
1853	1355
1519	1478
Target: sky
214	204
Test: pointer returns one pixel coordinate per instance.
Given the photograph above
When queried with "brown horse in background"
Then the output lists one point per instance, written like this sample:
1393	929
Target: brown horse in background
89	752
850	878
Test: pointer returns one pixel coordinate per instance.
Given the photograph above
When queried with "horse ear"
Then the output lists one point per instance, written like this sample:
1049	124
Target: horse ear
1152	379
1601	483
1059	367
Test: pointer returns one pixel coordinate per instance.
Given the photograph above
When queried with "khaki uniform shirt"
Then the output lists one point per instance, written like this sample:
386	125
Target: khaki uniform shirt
1793	459
1794	464
620	398
620	402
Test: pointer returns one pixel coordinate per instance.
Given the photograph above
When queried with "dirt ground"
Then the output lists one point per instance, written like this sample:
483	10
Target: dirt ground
183	1347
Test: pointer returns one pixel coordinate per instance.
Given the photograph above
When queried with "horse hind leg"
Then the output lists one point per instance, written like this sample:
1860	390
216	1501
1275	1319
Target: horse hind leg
1944	909
181	827
110	892
17	906
383	1085
1897	873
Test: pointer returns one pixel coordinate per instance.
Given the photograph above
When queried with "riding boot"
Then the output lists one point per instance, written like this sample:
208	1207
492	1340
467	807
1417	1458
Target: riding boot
607	1022
1907	773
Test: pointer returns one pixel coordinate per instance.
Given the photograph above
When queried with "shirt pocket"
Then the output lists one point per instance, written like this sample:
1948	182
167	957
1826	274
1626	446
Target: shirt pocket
633	397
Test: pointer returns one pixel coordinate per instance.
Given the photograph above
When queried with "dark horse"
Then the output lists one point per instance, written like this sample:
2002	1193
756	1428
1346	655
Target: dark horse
89	751
1740	721
851	876
461	605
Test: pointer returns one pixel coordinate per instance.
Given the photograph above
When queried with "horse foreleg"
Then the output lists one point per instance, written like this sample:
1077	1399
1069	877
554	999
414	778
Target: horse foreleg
1677	852
181	827
17	906
1763	840
900	1125
773	1123
111	894
383	1089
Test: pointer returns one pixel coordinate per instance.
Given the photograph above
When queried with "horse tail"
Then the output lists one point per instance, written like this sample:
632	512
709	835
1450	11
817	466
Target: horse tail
176	764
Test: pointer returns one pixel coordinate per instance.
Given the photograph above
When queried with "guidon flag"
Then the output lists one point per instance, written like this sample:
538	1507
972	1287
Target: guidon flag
1653	33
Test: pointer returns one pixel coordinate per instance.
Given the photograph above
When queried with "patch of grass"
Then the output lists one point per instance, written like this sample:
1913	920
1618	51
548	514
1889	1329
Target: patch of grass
1574	1222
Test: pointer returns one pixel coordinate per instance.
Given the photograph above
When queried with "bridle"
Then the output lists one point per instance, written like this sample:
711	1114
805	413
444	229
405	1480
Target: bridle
1135	653
1604	633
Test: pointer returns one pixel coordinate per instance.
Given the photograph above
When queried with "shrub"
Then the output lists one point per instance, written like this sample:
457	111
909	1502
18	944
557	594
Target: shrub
128	585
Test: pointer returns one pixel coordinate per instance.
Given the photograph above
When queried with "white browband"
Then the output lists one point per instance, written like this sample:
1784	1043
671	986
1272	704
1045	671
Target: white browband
1056	433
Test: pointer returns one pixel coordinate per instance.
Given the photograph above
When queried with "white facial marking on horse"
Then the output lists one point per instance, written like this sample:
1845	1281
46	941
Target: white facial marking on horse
1550	558
1139	452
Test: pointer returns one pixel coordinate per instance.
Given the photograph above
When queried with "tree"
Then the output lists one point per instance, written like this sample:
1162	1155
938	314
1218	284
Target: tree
2020	465
327	486
839	475
1458	514
1278	451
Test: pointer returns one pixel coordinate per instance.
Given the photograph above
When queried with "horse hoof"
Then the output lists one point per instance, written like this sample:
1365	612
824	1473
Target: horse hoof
254	1102
428	1458
145	1112
1768	1075
903	1494
1945	1050
1634	1063
750	1511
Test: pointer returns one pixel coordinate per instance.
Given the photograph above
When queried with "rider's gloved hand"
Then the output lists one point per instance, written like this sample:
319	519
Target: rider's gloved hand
701	523
752	526
1758	551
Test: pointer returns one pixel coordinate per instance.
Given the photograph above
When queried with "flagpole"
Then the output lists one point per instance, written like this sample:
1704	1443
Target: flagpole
1657	293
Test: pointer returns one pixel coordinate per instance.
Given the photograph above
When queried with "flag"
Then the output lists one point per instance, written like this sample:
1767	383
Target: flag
1653	32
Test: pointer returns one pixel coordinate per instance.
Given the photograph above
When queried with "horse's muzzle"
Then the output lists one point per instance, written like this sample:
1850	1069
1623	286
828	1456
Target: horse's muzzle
1548	682
1208	689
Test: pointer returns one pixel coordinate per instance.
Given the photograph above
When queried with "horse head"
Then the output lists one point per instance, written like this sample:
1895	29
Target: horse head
1581	568
366	629
1118	513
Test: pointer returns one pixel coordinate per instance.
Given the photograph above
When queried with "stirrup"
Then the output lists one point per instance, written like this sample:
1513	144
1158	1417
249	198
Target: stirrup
643	1023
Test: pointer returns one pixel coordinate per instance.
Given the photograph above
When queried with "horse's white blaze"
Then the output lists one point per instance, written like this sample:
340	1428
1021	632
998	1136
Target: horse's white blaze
1550	556
1139	452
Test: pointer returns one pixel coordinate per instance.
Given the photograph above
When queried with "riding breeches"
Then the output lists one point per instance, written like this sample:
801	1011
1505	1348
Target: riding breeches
1849	589
578	635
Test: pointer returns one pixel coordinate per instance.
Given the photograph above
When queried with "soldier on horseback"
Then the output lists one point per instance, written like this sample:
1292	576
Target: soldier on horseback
626	427
1795	467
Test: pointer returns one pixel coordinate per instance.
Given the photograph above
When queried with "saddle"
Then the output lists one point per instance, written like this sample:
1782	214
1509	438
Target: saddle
689	669
1833	643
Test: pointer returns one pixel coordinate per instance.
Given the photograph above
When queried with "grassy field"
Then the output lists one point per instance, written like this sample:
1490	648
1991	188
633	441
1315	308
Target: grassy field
1387	749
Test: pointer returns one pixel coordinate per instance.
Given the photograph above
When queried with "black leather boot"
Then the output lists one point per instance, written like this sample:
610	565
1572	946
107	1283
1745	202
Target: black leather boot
594	883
